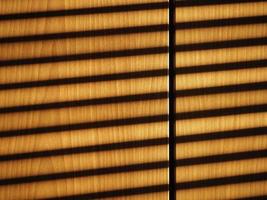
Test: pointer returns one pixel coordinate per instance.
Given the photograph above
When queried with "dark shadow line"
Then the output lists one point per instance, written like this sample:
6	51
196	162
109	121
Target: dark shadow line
85	79
85	149
222	44
222	112
85	102
116	193
189	3
222	135
85	11
172	101
222	181
222	158
84	56
83	34
222	67
85	125
221	22
222	89
261	197
85	173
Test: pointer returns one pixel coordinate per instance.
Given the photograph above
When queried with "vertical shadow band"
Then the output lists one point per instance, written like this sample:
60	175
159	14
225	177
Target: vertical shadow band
172	132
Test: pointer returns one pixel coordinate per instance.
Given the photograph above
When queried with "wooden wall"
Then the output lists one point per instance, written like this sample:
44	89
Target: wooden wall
221	104
84	99
83	95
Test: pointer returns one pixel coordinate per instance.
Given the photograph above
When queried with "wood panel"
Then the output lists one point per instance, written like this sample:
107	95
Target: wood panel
83	99
221	104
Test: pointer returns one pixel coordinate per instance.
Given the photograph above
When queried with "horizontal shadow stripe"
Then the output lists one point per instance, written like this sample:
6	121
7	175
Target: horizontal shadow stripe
262	197
86	102
222	158
86	149
85	173
85	11
221	135
221	22
222	89
188	3
222	67
116	193
222	44
85	56
222	112
86	79
86	125
81	34
222	181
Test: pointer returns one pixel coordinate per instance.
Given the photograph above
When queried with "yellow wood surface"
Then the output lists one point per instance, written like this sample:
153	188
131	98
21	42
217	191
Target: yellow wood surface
81	91
67	116
203	102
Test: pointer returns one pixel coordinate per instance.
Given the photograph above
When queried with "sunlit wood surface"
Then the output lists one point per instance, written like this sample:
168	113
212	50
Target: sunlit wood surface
98	124
84	99
221	100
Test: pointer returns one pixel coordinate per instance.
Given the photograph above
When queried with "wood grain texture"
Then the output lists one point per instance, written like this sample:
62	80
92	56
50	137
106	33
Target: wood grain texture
84	99
15	6
96	160
214	167
224	11
82	22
